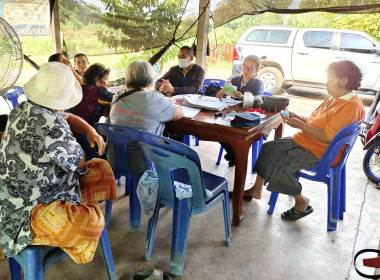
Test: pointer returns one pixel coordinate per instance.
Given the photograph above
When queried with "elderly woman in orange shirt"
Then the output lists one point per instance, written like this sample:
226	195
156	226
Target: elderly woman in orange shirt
280	160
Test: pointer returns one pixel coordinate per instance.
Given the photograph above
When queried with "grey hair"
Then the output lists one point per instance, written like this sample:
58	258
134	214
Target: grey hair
139	74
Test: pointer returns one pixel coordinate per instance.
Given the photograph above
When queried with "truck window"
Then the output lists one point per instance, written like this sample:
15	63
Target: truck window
318	39
258	36
279	36
355	43
269	36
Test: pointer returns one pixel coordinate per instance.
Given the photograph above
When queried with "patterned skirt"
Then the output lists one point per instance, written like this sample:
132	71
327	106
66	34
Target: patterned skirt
280	161
76	229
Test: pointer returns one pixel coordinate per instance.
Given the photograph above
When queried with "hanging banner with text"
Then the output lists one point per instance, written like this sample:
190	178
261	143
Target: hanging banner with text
28	18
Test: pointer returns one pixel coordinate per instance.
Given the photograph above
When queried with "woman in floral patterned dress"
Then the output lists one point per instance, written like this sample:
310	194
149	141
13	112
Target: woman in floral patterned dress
48	192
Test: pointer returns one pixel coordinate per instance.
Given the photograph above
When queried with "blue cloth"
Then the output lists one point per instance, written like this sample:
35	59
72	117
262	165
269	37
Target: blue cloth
182	190
147	192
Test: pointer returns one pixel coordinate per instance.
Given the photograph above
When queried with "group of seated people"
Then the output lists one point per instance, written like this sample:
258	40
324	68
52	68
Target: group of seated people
43	172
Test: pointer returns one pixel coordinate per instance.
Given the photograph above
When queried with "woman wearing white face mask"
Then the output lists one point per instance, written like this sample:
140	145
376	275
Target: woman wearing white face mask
184	78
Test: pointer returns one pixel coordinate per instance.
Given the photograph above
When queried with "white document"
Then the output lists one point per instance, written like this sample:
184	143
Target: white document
231	101
205	102
117	89
190	112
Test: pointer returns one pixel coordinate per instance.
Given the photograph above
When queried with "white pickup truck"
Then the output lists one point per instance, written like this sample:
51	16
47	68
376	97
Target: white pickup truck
300	56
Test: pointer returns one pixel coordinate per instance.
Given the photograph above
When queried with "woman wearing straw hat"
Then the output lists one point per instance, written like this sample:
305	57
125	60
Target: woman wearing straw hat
40	168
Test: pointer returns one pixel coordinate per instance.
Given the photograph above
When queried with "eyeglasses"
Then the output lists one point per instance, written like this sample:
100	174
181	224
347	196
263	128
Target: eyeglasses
248	68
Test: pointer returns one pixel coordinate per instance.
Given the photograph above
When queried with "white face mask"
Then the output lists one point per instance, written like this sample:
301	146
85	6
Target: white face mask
182	63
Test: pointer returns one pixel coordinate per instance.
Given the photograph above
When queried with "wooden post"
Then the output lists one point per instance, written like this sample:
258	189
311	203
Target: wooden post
55	29
202	33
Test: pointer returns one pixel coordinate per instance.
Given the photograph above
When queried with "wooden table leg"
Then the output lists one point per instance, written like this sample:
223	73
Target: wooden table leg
241	149
279	131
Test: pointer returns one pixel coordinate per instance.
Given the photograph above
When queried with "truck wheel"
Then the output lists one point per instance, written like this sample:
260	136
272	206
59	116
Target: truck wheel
272	79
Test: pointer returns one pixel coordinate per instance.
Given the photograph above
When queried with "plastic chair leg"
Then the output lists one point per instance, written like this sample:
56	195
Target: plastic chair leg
33	265
107	216
181	221
107	255
260	143
196	141
256	147
336	196
15	269
220	155
331	224
272	202
342	205
227	217
152	224
187	140
127	185
134	204
255	152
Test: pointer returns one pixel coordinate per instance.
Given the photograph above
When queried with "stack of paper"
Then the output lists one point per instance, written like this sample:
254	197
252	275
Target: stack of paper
205	102
190	112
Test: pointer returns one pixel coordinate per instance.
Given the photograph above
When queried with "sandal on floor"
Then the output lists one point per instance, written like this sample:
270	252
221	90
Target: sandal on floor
150	274
245	197
294	215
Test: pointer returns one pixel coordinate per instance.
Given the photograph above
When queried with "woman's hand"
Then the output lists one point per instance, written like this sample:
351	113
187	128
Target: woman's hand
238	95
292	121
68	63
314	132
93	137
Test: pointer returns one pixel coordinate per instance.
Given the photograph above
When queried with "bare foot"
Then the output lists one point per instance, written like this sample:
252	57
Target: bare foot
253	192
301	204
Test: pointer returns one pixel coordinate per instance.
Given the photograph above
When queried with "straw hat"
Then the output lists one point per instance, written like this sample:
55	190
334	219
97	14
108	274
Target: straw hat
54	87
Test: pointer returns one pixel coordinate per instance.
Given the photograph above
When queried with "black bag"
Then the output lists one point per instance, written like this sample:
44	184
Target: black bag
212	89
274	103
245	119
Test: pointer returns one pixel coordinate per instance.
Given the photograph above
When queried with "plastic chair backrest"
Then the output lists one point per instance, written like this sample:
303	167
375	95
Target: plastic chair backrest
119	136
207	82
172	146
165	162
346	136
13	94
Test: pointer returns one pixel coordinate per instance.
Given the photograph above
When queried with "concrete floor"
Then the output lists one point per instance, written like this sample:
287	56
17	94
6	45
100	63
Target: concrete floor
264	247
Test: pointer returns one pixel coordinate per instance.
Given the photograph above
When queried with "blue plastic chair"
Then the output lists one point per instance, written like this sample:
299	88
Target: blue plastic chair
175	161
90	152
36	259
256	147
13	94
120	136
333	176
188	140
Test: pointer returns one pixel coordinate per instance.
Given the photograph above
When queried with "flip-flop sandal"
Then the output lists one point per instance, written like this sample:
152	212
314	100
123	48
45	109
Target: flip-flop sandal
294	215
150	274
245	197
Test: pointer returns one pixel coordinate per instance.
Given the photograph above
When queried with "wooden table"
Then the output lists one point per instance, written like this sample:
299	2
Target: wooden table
204	127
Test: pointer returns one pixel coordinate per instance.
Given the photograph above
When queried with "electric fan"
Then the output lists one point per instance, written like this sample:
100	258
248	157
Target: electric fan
11	57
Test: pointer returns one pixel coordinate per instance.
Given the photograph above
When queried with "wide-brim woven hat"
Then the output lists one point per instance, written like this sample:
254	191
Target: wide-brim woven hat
54	87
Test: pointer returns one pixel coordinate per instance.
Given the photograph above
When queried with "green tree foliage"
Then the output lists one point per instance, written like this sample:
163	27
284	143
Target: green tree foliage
369	23
140	24
363	22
